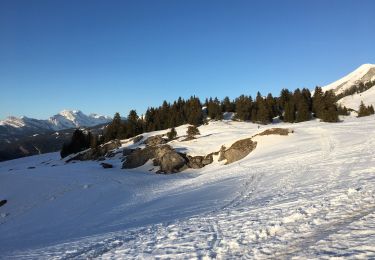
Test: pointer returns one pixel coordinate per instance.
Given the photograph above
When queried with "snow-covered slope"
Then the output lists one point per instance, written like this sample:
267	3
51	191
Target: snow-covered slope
64	120
353	101
364	73
307	195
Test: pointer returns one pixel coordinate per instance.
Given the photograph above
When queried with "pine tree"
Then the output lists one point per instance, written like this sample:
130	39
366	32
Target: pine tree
192	131
329	110
303	112
285	97
79	142
263	112
227	105
289	112
114	129
172	134
243	108
214	109
365	110
317	102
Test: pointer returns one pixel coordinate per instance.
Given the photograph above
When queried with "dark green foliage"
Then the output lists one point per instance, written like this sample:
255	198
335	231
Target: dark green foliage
356	89
227	105
342	110
172	134
116	129
303	111
214	109
133	125
243	107
302	104
324	105
192	131
79	142
290	107
289	112
317	102
365	110
263	115
193	111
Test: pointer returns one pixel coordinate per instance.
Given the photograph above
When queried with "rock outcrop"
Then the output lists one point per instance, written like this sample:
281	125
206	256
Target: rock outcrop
164	156
98	152
237	151
106	165
276	131
197	162
155	140
137	139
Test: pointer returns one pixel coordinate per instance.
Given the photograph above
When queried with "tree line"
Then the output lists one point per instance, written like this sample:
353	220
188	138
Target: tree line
290	106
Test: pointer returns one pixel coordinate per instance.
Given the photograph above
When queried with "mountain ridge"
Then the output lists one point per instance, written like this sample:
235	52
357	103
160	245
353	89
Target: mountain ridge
63	120
364	74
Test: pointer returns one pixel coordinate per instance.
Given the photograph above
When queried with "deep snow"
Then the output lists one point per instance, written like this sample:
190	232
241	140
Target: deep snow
307	195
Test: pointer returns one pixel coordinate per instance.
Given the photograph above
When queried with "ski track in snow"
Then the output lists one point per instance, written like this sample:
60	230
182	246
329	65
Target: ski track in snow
314	199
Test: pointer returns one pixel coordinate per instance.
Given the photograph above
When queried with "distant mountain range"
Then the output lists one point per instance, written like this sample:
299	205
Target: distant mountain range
23	136
15	127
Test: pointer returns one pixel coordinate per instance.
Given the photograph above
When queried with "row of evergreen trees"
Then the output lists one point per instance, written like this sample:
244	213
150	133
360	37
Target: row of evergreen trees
297	106
365	110
359	88
81	140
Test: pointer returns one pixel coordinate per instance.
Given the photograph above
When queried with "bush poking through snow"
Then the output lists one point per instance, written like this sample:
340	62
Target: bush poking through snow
172	134
192	131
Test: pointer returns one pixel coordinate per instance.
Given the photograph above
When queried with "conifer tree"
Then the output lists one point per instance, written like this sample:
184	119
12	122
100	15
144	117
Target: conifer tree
329	110
317	102
365	110
172	134
243	107
192	131
303	112
289	112
263	112
227	105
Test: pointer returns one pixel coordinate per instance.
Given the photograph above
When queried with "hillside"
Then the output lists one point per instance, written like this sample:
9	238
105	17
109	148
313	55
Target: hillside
362	75
353	101
309	194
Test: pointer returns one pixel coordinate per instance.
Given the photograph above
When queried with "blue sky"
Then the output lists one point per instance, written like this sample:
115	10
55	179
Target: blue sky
109	56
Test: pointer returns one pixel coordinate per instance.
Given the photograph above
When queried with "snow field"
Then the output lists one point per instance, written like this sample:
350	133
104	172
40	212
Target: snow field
307	195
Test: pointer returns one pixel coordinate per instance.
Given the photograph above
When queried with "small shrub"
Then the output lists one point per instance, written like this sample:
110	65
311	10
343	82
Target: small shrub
172	134
192	131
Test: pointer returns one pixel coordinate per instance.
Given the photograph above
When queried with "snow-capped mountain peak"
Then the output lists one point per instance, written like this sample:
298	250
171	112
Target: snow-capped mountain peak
75	118
363	73
63	120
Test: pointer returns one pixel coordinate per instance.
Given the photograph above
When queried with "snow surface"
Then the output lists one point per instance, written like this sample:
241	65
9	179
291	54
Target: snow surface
353	101
307	195
364	73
